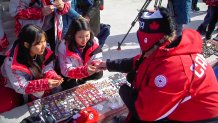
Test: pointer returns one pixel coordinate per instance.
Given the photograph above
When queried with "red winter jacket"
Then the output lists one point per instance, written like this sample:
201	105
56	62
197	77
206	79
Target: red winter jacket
167	86
21	79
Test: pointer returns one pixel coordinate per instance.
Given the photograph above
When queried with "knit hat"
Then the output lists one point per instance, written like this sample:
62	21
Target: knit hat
88	115
153	26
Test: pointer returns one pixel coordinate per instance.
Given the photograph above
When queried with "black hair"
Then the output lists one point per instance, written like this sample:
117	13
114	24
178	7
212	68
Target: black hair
168	21
34	1
30	34
75	26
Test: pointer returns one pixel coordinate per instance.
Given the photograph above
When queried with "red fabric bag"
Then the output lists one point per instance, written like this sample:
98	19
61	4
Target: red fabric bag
9	99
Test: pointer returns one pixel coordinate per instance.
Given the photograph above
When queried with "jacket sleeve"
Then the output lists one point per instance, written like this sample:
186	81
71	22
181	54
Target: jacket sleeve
29	13
36	86
72	13
120	65
21	10
69	68
51	74
22	84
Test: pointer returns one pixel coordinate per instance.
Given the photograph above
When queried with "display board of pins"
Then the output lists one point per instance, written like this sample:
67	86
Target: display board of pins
109	86
89	95
60	105
118	79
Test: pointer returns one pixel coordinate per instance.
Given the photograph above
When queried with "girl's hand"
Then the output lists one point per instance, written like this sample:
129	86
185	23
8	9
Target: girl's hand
101	66
96	63
87	18
60	79
91	69
59	4
81	17
46	10
52	83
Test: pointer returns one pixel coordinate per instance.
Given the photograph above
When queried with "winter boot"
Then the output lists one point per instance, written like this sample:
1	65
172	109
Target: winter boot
195	8
201	29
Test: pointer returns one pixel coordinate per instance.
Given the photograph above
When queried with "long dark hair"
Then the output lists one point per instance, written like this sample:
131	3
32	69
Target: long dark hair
77	25
30	34
35	1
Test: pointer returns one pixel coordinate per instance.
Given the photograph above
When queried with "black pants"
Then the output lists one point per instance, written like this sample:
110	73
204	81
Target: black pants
51	38
2	59
70	83
194	3
213	20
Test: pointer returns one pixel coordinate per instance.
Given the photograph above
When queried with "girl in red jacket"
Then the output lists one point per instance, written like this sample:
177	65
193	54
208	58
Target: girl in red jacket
78	54
29	65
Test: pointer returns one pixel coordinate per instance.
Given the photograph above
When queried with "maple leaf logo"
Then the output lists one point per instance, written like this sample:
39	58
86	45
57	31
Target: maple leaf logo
154	25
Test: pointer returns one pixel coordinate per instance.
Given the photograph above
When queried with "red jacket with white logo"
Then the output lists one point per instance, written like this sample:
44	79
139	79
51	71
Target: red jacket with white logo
174	82
167	86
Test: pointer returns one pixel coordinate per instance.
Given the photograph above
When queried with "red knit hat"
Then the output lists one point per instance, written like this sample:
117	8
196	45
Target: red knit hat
153	26
88	115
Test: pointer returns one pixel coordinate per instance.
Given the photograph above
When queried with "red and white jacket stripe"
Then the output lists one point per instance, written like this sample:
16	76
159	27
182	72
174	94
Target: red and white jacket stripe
20	78
72	65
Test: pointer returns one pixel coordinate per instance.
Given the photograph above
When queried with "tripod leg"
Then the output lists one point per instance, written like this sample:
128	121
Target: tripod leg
157	3
147	2
160	3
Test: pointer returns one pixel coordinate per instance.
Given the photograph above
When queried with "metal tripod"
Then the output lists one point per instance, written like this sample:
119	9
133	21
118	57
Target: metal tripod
146	4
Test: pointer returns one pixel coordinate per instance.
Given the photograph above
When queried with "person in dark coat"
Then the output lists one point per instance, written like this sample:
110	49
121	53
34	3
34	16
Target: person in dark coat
181	13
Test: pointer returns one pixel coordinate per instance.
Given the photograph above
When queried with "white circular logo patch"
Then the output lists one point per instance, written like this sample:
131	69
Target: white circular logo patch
160	81
91	116
145	40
